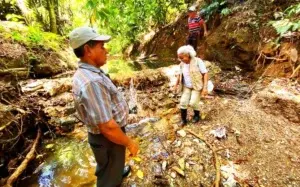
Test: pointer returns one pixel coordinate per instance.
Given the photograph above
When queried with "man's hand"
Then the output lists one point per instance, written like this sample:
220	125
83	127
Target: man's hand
205	34
204	92
133	148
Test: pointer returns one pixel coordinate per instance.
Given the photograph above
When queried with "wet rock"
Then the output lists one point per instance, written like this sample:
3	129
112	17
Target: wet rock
56	87
67	124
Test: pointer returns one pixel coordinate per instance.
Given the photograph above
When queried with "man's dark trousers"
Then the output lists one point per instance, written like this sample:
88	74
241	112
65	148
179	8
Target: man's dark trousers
193	40
110	158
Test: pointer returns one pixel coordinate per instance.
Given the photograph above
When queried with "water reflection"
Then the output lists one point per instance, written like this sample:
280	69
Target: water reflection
71	164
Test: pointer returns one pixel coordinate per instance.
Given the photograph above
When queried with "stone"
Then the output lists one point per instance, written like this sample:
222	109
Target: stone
173	175
164	165
181	163
182	133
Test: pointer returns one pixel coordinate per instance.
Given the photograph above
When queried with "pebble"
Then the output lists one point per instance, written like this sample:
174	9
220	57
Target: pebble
182	133
164	165
173	175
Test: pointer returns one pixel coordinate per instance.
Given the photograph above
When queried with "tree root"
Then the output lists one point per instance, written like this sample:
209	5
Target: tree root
25	162
216	158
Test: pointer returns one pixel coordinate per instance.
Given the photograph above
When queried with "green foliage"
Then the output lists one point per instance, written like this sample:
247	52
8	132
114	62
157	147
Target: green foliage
216	6
225	12
292	10
289	21
126	20
33	36
14	17
17	36
285	25
119	68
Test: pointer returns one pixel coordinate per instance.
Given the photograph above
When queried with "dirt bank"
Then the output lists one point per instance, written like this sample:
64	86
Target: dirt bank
244	39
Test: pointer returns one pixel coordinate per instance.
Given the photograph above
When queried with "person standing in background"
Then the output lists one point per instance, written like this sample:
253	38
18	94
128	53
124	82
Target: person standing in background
195	24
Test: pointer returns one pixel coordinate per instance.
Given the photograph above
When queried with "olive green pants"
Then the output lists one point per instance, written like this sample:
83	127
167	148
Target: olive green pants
190	97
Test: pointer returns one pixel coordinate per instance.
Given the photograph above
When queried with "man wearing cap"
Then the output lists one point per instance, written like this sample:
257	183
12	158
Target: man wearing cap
195	22
100	107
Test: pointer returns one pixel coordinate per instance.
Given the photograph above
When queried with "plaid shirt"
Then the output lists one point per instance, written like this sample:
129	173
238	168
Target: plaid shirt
97	99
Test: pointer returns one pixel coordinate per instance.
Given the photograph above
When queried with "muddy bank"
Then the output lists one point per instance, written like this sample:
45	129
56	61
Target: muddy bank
39	55
244	39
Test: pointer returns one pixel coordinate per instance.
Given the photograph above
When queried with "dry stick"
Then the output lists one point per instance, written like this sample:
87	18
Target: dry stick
25	162
6	125
216	158
294	71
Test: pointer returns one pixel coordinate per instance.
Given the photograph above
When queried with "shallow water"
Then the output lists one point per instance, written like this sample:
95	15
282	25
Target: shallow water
71	164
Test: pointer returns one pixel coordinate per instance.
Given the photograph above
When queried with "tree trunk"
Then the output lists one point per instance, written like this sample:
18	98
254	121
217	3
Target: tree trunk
52	16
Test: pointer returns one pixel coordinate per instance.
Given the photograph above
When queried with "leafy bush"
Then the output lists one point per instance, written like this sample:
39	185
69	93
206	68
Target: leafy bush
14	17
289	21
127	20
225	12
285	25
32	36
216	6
292	10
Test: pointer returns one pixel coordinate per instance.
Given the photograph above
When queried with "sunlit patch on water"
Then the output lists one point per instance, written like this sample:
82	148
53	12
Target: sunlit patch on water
72	163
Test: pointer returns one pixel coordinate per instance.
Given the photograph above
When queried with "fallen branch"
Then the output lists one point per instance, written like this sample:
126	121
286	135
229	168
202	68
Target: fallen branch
6	125
12	70
25	162
216	158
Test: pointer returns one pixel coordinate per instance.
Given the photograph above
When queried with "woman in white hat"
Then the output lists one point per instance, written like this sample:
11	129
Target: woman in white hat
192	82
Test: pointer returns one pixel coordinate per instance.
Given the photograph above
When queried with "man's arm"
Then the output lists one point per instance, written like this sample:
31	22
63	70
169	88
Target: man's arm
113	132
205	28
177	83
